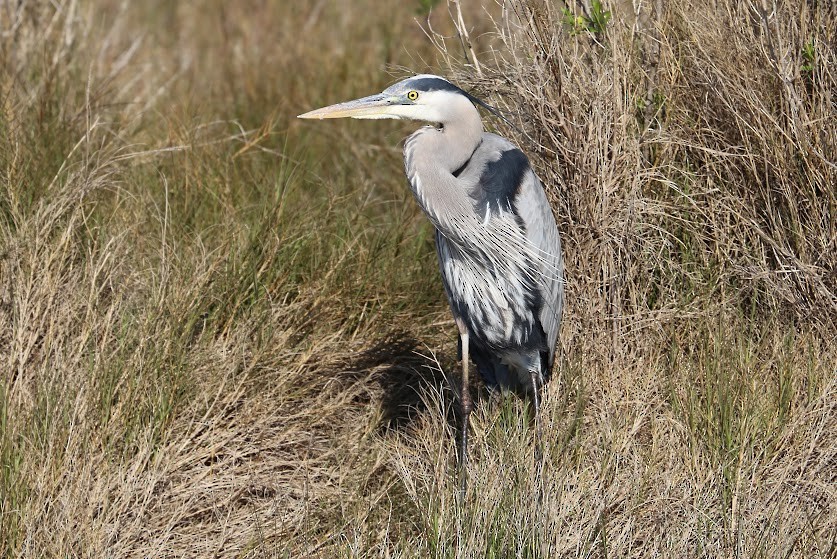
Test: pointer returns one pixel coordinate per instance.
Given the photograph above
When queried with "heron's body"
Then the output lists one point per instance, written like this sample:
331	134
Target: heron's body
498	244
507	292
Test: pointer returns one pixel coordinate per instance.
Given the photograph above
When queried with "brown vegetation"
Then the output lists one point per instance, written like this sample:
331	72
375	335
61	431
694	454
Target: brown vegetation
222	332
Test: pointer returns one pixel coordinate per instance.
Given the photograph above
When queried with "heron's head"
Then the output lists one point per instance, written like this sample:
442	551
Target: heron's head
425	97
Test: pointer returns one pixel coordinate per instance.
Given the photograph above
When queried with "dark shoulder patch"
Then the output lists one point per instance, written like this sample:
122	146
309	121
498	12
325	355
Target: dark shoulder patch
501	179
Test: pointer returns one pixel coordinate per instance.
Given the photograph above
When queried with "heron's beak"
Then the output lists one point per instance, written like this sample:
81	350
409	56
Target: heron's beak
374	106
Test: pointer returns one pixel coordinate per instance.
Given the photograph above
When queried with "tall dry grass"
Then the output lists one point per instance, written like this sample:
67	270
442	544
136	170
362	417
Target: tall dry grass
692	151
222	332
692	155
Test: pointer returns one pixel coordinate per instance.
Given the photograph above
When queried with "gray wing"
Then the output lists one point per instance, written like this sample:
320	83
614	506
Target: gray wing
506	178
542	231
505	188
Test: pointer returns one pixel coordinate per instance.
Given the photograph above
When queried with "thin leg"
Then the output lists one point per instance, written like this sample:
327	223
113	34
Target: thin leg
539	462
536	403
534	376
465	401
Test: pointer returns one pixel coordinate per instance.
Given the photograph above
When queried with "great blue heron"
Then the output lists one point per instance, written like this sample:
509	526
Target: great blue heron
498	245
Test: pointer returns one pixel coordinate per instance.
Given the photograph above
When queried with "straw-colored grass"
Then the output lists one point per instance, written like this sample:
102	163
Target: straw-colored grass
222	331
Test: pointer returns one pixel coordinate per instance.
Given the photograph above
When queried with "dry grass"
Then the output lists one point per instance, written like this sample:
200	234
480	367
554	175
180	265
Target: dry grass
222	332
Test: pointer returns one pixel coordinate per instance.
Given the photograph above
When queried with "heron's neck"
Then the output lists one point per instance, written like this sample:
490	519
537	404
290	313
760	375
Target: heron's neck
451	145
431	156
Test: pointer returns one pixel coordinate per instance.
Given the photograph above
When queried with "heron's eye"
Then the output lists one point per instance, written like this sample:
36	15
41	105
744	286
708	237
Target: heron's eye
412	95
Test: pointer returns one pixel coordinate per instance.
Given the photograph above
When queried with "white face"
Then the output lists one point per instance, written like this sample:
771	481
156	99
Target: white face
404	100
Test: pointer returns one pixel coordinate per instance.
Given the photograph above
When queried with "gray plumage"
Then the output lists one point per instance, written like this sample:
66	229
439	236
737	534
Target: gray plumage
500	258
497	241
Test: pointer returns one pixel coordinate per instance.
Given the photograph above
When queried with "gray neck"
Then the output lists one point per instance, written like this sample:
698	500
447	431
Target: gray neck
431	156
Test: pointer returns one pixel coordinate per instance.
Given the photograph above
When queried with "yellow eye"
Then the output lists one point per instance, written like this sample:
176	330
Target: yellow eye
412	95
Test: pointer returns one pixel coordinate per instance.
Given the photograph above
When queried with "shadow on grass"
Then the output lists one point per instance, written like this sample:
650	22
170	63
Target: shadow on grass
408	379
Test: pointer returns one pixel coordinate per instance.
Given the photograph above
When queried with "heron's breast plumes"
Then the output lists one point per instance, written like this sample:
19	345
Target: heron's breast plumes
498	301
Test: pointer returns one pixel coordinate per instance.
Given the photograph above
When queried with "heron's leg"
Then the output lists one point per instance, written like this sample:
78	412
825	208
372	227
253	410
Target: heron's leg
465	402
536	404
